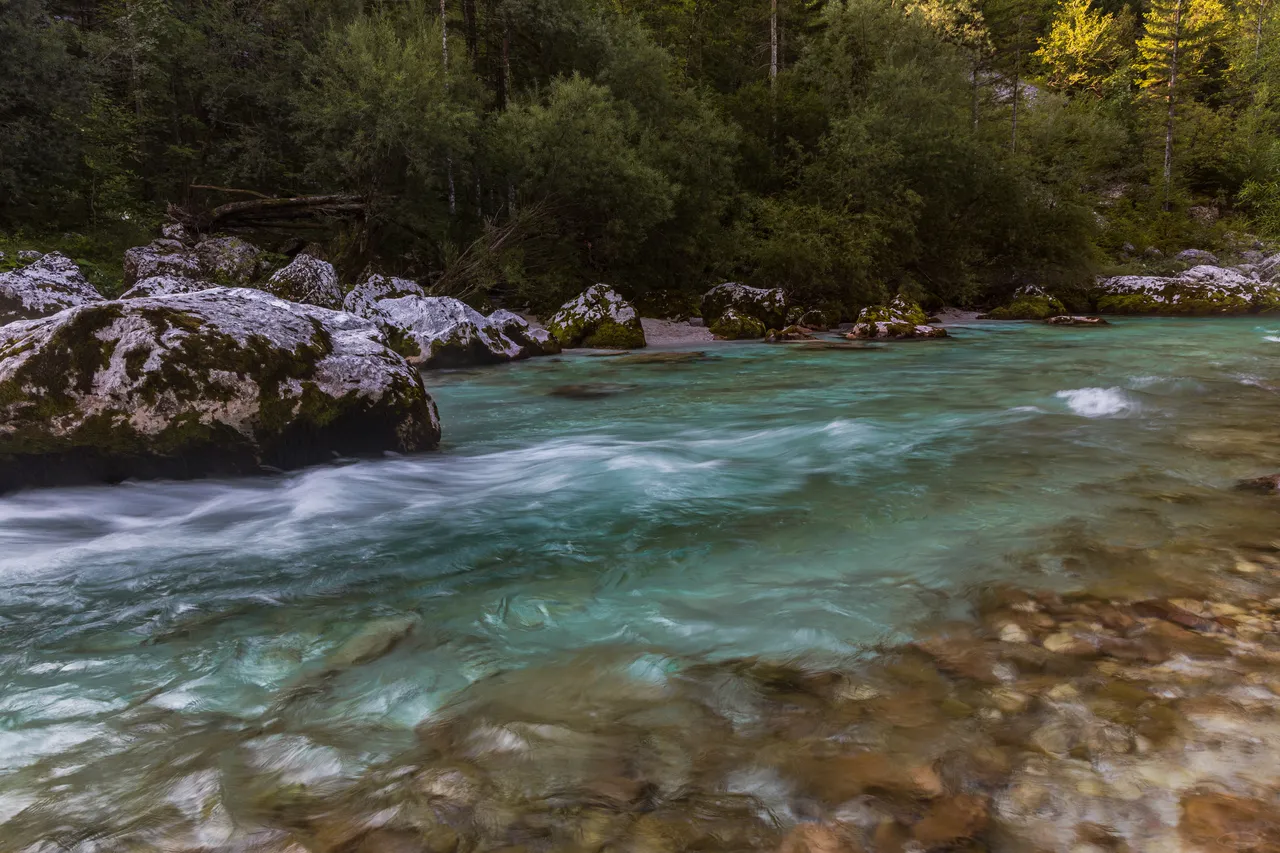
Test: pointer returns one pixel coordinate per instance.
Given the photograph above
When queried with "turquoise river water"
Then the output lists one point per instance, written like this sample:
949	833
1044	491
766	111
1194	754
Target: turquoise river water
791	502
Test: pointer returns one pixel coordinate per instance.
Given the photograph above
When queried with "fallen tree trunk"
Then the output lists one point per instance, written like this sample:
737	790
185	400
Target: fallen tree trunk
282	215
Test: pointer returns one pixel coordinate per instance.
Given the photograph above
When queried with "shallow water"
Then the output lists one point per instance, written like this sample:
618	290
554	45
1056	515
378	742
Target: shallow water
630	515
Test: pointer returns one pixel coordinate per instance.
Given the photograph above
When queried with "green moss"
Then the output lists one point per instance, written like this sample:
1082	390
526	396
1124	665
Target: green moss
900	310
1209	303
611	335
736	327
1029	308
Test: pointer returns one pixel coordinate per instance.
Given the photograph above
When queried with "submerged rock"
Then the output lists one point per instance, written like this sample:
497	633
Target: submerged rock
736	326
1201	290
446	332
790	333
1029	303
49	285
1268	485
900	319
767	306
308	280
1068	320
165	285
532	341
599	318
223	381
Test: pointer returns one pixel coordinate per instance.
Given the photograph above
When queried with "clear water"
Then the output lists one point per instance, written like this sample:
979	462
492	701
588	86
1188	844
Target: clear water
783	501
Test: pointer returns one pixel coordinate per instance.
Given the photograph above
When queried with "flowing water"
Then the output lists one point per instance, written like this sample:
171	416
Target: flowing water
621	515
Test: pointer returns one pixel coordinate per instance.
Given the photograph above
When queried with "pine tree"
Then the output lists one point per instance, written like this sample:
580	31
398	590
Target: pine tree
1171	55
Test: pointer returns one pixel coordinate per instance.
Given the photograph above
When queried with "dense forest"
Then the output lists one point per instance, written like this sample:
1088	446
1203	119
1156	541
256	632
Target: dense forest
514	150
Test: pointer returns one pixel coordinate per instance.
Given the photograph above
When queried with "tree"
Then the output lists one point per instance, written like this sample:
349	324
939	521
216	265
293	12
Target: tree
1083	48
1177	36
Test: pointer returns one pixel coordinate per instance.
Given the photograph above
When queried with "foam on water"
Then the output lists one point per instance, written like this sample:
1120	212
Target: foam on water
769	501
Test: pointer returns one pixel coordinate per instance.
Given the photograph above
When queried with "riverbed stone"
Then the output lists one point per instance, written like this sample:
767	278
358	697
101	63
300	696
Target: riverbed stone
733	325
533	341
900	319
445	332
48	285
1068	320
1029	303
768	306
599	318
1201	290
223	381
308	280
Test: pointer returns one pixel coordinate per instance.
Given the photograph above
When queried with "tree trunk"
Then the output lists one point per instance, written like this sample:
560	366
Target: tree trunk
1172	100
444	55
473	36
773	46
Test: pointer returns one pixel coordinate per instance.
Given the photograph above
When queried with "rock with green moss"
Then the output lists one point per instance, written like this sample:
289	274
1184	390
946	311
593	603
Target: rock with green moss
364	297
767	305
733	325
1069	320
599	318
1029	303
1200	291
532	341
49	285
308	280
899	320
160	257
440	331
231	261
223	381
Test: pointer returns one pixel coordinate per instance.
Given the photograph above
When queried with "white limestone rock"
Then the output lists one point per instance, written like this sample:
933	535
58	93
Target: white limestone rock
600	317
308	280
532	341
446	332
50	284
767	305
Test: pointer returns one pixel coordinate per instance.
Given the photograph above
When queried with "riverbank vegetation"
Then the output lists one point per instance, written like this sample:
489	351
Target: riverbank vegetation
513	151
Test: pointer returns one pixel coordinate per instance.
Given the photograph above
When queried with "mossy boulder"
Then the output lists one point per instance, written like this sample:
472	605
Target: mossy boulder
440	331
165	285
1029	303
50	284
364	297
231	261
224	381
532	341
1200	291
599	318
158	258
1069	320
733	325
308	280
901	319
767	305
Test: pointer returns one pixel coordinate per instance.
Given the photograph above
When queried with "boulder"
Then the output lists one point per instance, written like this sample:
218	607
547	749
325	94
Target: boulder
223	381
175	231
439	331
532	341
1068	320
1200	290
363	298
1269	268
598	318
1197	256
815	320
790	333
307	280
230	261
29	256
900	319
733	325
160	257
1029	303
769	306
50	284
165	285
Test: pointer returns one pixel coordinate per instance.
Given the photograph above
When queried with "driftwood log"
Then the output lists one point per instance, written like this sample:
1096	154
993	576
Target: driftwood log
289	216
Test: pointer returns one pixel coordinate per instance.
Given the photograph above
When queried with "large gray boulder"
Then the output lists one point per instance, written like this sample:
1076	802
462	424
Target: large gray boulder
166	285
308	280
44	287
445	332
598	318
1269	268
1197	256
768	306
222	381
160	257
1201	290
532	341
364	297
230	261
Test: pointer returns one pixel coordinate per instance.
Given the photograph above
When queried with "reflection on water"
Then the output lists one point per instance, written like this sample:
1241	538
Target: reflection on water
619	615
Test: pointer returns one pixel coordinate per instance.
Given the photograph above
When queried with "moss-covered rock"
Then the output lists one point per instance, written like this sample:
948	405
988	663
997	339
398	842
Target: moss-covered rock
1029	303
900	319
222	381
50	284
160	258
532	341
1069	320
231	261
768	306
364	297
1200	291
445	332
736	326
599	318
165	285
308	280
